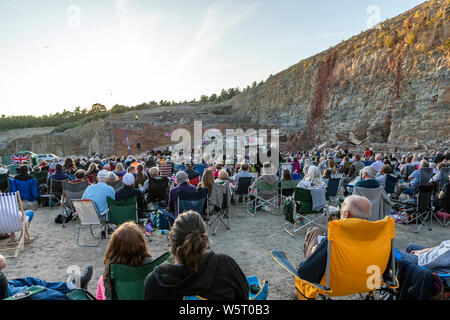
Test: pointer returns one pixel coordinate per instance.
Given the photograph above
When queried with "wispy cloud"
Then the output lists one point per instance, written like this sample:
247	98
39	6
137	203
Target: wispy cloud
219	19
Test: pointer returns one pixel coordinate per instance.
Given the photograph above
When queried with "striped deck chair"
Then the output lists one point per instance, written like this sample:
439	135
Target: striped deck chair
13	219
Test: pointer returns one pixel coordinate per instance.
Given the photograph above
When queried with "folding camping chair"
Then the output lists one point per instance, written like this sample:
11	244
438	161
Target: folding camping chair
425	175
195	200
117	185
41	177
200	168
289	187
391	183
120	212
242	187
398	257
358	252
87	212
261	200
333	188
4	183
128	282
306	208
443	179
259	291
220	209
420	210
71	191
13	219
56	190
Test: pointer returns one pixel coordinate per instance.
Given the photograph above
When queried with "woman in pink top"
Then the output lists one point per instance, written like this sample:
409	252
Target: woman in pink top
297	168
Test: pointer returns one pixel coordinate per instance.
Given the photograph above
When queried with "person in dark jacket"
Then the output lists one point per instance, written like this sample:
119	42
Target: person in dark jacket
129	191
197	271
58	175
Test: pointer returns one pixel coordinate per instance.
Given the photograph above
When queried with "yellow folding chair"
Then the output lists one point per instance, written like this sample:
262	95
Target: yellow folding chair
358	253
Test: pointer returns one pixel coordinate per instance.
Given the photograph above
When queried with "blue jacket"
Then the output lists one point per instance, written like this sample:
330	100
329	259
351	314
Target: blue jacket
28	189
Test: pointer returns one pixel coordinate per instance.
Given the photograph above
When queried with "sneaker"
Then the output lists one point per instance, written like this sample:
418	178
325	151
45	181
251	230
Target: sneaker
86	277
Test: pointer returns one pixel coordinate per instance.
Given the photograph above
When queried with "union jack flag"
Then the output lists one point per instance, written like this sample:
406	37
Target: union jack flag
20	158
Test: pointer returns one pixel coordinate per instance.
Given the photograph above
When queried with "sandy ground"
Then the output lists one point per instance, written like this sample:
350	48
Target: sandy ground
249	242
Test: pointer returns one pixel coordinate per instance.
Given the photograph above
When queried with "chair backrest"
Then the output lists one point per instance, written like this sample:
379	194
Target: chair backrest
117	185
200	168
296	176
122	211
128	282
264	186
40	176
74	191
443	179
242	185
56	186
263	292
424	198
158	189
86	211
358	254
409	170
425	175
4	182
223	189
306	202
194	200
92	177
333	186
391	183
11	213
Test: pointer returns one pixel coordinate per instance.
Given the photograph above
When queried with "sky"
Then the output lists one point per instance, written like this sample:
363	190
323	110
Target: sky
60	54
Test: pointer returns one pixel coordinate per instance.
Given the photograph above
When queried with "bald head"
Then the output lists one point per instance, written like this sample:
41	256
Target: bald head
356	207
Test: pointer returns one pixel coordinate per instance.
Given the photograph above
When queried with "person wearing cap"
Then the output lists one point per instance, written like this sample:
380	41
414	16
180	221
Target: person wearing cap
100	191
129	191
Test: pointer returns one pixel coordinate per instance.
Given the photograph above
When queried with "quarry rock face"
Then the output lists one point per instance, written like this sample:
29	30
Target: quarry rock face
388	88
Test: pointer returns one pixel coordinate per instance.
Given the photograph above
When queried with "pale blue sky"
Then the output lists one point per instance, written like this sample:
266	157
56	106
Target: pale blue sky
67	53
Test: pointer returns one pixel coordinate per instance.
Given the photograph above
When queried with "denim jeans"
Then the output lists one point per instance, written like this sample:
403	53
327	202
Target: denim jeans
408	256
55	290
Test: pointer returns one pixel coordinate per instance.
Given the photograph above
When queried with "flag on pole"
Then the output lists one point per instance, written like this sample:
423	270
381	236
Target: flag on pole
128	146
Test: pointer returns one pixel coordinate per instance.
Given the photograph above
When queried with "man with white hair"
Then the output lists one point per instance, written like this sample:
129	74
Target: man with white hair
129	191
183	185
368	180
378	164
100	191
313	268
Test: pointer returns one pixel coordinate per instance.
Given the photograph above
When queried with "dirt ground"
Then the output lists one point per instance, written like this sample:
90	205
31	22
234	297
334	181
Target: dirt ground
54	252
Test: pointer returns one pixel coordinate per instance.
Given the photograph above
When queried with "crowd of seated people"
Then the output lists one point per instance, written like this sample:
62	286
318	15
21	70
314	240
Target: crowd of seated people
142	179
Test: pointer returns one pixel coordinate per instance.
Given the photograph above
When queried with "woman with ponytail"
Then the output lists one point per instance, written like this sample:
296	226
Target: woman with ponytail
197	271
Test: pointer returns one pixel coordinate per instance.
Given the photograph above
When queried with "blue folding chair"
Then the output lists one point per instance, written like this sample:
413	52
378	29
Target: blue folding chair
258	291
192	200
200	168
398	257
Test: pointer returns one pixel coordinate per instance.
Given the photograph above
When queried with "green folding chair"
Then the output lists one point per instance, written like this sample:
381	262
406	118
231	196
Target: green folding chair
120	212
303	198
127	282
286	185
258	201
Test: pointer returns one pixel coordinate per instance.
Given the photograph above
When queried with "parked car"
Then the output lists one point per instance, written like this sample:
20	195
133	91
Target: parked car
47	157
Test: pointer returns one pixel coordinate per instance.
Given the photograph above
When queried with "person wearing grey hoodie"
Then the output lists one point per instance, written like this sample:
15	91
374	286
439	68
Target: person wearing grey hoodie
268	176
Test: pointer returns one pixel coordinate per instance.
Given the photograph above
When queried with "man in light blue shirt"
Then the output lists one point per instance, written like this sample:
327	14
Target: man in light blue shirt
242	174
100	191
